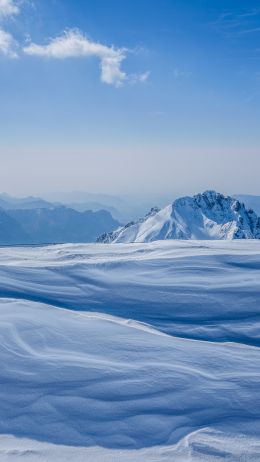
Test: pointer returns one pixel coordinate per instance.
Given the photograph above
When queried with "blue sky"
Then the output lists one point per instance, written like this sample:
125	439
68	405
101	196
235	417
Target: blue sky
130	96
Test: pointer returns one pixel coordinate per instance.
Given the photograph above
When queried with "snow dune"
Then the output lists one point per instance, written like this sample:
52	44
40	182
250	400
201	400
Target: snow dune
206	291
130	352
72	379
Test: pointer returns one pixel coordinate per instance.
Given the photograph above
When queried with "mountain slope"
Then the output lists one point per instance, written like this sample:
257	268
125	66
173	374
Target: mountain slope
205	216
11	232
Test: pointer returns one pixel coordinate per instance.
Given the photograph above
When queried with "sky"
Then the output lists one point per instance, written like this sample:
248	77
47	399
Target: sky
129	97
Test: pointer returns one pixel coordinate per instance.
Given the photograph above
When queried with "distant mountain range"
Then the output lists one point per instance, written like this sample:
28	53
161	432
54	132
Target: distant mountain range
11	203
36	221
205	216
123	208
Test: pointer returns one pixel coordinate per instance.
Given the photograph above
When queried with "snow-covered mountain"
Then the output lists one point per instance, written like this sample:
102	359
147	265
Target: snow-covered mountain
209	215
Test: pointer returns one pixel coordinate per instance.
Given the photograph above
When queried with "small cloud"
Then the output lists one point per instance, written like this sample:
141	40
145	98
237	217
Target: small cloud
138	78
7	44
144	77
74	44
8	8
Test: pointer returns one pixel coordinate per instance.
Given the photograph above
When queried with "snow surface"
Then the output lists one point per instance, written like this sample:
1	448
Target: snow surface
205	216
201	290
139	352
200	446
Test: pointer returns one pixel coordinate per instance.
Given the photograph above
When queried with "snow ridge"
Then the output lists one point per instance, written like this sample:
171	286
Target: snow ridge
209	215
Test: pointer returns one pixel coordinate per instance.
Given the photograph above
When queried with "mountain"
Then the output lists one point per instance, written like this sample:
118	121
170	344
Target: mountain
33	220
209	215
95	207
59	225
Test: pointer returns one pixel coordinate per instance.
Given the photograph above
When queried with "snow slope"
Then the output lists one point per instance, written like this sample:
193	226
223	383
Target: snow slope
205	216
130	352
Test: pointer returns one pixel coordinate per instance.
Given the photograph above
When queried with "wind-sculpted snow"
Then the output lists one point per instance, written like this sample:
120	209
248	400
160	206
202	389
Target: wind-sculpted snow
80	379
183	288
204	445
140	352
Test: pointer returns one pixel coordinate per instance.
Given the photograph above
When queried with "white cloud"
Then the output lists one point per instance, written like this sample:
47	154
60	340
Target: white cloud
7	44
8	8
73	44
111	72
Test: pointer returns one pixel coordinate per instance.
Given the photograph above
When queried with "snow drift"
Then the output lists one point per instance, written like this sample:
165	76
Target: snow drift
130	352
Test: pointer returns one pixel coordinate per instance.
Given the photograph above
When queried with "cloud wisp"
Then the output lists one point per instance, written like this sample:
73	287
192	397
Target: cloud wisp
238	24
8	8
74	44
7	44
